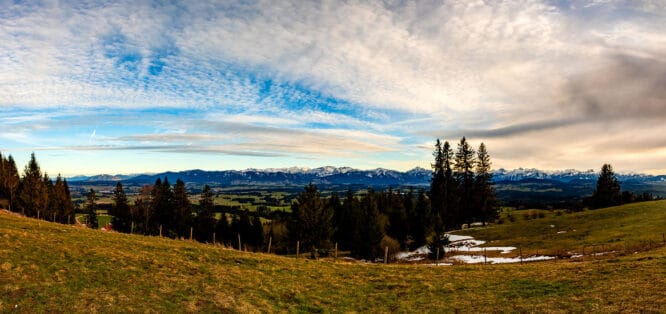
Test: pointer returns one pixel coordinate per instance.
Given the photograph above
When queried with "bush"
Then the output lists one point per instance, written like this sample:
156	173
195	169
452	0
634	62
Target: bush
393	246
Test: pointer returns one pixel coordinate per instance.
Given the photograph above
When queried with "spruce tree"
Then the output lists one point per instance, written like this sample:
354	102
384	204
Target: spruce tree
311	220
51	202
343	221
204	221
91	210
122	218
12	180
370	229
257	233
223	230
484	193
68	215
33	195
463	171
423	226
182	208
607	192
437	189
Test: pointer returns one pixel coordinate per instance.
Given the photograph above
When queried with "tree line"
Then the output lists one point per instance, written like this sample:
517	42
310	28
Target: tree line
461	191
35	194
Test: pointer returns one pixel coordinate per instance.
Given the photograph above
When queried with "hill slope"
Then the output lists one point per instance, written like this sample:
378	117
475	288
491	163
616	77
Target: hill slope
57	268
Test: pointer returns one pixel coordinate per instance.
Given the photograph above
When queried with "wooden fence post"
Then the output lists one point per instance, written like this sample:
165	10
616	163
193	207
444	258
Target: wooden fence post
37	215
298	247
485	259
239	243
336	250
270	241
69	219
437	257
132	229
53	217
191	232
213	238
386	255
160	231
520	248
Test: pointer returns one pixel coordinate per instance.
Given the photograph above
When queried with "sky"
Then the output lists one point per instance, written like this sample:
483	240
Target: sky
147	86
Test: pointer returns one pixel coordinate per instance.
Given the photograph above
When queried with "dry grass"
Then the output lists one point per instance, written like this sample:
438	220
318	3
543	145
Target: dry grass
47	267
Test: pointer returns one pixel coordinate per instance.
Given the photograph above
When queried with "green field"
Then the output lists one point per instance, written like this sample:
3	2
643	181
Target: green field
47	267
634	226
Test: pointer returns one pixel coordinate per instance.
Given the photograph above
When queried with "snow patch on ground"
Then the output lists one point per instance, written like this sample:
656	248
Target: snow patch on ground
460	244
475	259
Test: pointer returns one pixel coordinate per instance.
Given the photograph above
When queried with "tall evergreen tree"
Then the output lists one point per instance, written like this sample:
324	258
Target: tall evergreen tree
257	233
51	203
437	189
91	210
163	208
607	192
182	208
204	221
64	203
463	171
343	221
370	229
484	193
122	217
223	232
10	180
311	220
398	226
33	197
423	226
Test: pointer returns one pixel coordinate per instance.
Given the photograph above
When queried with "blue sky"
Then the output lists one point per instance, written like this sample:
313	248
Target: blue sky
146	86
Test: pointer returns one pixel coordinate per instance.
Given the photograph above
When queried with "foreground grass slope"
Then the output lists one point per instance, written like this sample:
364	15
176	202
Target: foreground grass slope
57	268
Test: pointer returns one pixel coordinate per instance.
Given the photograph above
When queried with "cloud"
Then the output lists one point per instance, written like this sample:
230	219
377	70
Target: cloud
333	78
623	87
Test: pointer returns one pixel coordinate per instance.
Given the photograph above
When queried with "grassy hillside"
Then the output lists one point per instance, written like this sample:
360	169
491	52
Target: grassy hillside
57	268
634	226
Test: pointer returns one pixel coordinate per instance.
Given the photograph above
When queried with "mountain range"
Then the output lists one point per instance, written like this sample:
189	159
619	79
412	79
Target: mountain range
346	175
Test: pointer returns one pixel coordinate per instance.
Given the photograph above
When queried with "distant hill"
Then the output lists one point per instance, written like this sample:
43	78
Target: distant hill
524	186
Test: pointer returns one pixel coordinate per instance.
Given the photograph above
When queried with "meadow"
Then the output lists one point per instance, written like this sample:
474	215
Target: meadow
46	267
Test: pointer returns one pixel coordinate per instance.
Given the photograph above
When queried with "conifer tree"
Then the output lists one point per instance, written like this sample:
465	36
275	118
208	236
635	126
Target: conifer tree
51	202
370	230
11	180
122	218
257	233
91	210
63	201
223	230
311	220
204	221
484	193
398	224
607	192
33	197
463	171
182	208
437	187
423	226
344	221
